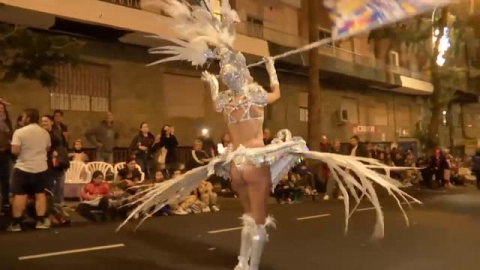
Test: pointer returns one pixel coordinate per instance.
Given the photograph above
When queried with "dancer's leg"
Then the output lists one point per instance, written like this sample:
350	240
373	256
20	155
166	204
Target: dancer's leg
240	187
259	187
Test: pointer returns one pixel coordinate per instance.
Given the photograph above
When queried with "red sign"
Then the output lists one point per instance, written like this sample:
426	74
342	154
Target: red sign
364	129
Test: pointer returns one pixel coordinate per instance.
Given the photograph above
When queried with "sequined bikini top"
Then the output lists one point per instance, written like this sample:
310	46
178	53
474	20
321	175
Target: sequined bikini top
229	102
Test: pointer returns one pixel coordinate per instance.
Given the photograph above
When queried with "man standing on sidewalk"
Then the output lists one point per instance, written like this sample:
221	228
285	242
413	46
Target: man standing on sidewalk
104	136
327	174
30	143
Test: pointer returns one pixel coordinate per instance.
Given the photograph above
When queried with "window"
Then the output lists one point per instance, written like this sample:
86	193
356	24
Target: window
303	114
255	26
403	118
84	87
323	34
350	105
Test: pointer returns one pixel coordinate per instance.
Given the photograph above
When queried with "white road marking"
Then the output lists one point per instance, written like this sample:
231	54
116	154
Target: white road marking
51	254
312	217
225	230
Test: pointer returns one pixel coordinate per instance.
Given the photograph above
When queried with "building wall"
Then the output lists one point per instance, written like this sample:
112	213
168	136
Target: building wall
392	116
138	94
173	94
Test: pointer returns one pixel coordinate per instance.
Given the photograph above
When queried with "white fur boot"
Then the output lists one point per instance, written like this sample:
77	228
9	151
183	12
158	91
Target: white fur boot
246	242
259	238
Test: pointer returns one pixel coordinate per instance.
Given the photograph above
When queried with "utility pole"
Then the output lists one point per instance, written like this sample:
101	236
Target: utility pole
314	89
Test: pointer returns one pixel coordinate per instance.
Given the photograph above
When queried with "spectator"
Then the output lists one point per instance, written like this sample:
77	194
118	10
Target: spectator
225	142
57	159
61	127
129	176
327	175
476	166
439	165
6	132
387	155
104	137
167	143
95	196
30	144
208	197
357	149
198	157
78	153
19	123
208	143
142	148
159	177
267	136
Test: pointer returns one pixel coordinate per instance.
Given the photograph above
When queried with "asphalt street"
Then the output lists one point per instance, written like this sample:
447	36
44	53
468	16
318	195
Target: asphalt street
444	234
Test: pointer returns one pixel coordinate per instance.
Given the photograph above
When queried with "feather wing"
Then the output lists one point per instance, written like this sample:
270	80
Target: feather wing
342	168
196	28
153	198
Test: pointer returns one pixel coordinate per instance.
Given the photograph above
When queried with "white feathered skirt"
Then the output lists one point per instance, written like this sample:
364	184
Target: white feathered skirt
354	176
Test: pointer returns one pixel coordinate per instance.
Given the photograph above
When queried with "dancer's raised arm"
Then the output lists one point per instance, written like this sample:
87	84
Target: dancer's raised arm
275	94
214	88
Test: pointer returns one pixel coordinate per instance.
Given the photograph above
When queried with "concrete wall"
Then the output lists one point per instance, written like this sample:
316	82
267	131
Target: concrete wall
402	111
137	95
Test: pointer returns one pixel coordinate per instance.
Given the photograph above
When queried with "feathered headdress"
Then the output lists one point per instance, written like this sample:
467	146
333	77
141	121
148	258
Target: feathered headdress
197	30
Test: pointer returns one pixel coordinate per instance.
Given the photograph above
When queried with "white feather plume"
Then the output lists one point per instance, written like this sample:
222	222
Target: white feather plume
196	27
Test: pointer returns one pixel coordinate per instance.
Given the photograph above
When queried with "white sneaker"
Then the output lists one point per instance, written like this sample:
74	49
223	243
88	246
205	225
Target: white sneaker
326	198
215	208
206	209
340	198
314	192
43	225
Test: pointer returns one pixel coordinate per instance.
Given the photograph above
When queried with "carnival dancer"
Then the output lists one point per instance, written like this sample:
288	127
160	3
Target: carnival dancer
253	168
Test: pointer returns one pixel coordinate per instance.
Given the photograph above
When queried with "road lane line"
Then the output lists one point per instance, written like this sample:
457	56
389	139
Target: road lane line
313	217
225	230
51	254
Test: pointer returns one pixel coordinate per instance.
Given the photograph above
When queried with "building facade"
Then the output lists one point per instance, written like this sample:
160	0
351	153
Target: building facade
363	96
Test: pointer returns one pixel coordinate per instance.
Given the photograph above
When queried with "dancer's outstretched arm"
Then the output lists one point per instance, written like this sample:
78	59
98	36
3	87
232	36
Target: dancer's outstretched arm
275	94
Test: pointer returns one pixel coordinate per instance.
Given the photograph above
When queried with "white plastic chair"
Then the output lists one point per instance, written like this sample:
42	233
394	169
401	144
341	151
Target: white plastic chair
100	166
74	173
75	178
121	165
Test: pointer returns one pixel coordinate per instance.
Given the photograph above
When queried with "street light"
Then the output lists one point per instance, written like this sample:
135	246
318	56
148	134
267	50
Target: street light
444	43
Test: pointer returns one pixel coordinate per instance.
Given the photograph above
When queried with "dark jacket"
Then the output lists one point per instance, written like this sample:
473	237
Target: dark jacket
146	141
170	143
476	162
62	161
197	159
362	150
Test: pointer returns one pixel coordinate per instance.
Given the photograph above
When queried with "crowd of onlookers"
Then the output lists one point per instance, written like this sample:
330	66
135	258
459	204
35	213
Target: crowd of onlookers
38	146
35	156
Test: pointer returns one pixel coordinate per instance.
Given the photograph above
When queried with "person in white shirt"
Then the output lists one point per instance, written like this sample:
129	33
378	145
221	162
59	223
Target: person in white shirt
30	143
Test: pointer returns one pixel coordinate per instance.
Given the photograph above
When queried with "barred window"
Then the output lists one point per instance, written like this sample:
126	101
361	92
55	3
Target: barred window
84	87
303	114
